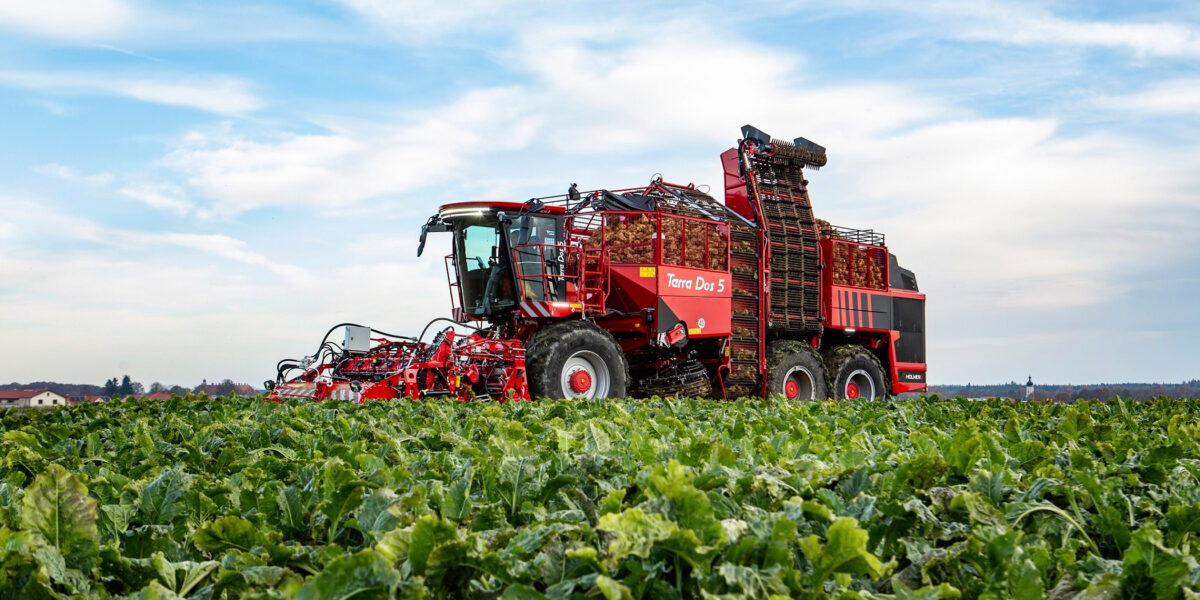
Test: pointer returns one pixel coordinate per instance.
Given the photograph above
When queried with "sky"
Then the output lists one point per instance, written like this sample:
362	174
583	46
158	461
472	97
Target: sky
194	190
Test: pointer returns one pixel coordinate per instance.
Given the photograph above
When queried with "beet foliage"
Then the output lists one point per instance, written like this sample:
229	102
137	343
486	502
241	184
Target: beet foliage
224	498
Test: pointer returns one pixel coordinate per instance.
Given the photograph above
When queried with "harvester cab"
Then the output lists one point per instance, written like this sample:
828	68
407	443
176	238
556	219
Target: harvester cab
504	255
481	259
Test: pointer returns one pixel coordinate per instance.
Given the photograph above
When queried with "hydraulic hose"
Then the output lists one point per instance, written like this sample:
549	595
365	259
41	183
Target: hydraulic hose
452	321
383	333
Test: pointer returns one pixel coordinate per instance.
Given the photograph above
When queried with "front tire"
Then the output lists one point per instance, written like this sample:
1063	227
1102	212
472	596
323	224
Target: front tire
575	360
795	372
856	374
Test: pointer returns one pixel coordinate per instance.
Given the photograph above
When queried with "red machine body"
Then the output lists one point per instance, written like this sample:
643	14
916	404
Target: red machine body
651	290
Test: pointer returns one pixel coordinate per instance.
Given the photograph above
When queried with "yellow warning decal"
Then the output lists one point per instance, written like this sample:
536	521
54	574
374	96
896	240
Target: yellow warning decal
693	330
647	272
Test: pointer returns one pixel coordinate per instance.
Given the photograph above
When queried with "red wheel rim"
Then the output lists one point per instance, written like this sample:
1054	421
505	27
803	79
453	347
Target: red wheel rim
581	381
791	389
852	390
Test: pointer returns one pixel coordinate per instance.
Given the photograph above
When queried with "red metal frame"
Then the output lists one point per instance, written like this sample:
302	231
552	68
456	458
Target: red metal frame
764	267
451	365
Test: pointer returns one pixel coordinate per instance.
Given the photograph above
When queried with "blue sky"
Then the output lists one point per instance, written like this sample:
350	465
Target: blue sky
194	190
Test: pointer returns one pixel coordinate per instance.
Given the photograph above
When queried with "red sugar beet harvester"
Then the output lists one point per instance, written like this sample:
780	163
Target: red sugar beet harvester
655	290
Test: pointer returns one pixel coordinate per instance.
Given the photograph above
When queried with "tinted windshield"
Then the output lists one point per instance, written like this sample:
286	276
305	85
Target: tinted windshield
484	272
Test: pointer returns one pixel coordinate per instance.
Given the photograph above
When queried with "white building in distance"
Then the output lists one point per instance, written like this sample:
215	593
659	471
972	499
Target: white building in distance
33	398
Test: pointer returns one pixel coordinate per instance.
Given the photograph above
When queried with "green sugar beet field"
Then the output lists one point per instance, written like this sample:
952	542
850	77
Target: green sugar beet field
243	498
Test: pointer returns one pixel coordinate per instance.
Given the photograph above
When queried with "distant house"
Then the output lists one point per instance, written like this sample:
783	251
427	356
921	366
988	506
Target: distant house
82	399
154	396
31	398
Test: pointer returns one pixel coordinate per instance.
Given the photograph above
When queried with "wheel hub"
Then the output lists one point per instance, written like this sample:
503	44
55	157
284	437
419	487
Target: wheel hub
580	381
860	384
585	375
791	389
798	384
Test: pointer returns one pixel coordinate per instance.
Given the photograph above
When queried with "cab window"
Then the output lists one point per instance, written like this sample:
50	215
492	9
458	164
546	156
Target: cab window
534	239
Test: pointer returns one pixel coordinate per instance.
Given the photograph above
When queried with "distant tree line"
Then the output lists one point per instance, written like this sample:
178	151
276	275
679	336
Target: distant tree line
128	387
1067	392
124	386
66	389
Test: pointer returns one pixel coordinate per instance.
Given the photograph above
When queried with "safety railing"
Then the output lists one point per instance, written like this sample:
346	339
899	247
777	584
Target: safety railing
555	272
860	236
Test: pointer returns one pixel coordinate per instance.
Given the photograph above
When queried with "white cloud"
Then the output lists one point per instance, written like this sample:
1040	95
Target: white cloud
655	91
133	26
1012	211
221	95
1038	28
166	197
349	166
224	246
1172	97
180	320
1021	23
582	100
52	107
1033	25
162	309
70	174
68	19
418	20
37	223
219	245
33	220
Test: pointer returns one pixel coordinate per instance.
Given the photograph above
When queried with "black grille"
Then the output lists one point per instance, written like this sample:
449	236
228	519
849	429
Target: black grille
910	321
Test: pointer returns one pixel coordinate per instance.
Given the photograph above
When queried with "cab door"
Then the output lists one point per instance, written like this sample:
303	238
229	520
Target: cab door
539	257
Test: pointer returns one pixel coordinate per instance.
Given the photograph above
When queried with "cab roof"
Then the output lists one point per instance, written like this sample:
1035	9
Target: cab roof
463	207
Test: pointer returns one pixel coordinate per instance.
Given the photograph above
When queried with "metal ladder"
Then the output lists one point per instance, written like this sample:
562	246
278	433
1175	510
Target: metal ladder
747	309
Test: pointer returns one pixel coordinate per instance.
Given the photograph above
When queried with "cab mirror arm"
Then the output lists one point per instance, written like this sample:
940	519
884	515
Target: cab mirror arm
434	224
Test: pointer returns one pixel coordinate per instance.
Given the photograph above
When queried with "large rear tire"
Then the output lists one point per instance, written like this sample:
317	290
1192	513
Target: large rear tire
795	371
856	373
575	360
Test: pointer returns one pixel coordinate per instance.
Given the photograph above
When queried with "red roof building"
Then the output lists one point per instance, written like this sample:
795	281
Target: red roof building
42	398
80	399
153	396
